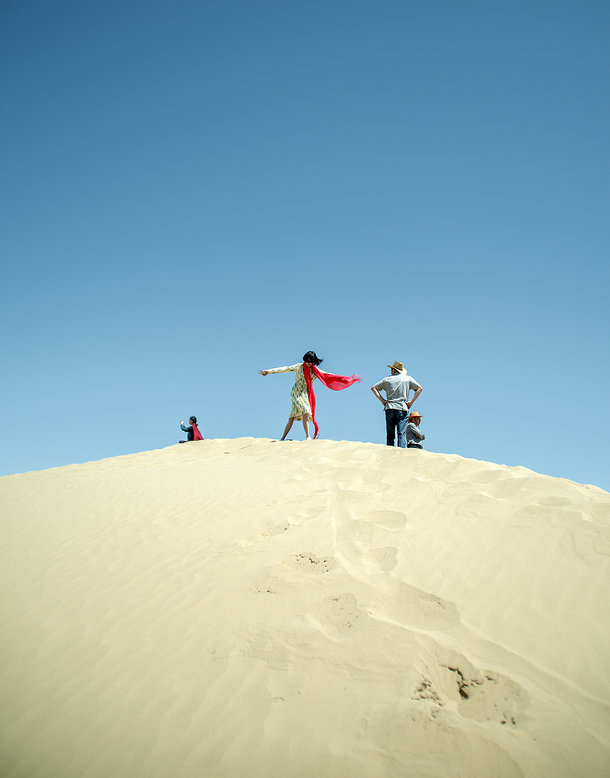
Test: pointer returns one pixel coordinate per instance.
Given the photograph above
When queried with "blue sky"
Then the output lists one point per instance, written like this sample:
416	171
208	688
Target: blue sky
194	190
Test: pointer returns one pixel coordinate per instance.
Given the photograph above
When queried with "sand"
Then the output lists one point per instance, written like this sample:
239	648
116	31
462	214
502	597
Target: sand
249	608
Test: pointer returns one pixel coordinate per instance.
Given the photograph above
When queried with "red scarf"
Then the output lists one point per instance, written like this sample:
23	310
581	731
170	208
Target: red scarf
331	381
196	434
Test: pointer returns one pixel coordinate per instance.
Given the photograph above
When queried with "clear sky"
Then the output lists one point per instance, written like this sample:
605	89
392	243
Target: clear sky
192	191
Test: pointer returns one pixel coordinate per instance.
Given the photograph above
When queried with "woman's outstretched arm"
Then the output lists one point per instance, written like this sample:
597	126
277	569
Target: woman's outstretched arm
288	369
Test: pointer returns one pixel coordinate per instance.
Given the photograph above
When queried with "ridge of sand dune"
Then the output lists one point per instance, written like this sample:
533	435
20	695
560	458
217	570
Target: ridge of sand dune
254	608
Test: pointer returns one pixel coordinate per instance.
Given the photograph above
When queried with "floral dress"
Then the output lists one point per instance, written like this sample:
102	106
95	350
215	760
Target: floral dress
301	409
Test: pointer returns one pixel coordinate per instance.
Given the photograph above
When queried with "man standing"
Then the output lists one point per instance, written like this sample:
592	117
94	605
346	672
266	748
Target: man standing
397	405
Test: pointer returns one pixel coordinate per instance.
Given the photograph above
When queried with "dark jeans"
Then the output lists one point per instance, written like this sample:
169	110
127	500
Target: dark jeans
396	420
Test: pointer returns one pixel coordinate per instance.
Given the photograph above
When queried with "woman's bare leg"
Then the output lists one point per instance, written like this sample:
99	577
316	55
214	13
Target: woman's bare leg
306	428
287	428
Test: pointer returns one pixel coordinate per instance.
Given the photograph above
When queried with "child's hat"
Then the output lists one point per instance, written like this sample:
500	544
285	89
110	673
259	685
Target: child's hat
415	415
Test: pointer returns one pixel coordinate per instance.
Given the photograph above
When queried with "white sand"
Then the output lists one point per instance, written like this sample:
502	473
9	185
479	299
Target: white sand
248	608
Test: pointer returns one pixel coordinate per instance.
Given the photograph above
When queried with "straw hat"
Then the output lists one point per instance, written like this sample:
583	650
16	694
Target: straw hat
415	415
397	366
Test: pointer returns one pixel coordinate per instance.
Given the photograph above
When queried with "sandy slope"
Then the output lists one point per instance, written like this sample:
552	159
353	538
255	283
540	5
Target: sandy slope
248	608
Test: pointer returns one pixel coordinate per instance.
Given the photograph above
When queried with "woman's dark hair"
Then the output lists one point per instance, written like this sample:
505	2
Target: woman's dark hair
193	420
312	357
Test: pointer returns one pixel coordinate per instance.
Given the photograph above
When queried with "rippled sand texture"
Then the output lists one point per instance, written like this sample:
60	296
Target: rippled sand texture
255	609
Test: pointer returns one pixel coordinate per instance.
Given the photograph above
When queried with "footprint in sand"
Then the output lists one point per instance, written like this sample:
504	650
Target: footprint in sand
310	513
360	541
413	734
480	695
336	615
414	607
487	696
277	581
383	558
310	563
269	529
306	512
266	530
425	691
388	519
272	529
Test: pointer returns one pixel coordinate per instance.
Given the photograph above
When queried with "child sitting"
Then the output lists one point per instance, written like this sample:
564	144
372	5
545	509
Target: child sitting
192	430
414	434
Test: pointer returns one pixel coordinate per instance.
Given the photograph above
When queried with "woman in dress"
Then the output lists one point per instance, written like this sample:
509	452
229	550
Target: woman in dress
302	395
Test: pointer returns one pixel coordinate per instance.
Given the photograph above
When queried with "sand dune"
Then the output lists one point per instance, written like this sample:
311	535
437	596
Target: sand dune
248	608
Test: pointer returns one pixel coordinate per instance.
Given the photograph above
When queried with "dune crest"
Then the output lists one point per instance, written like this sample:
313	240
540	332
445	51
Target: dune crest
253	608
